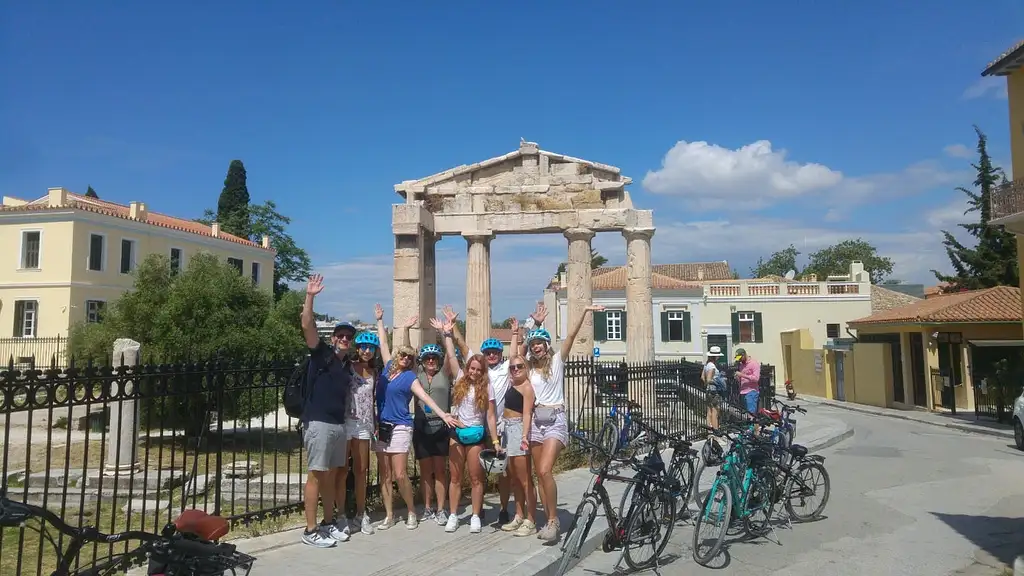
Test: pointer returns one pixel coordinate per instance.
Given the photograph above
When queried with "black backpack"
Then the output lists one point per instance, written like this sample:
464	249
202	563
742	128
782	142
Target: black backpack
299	386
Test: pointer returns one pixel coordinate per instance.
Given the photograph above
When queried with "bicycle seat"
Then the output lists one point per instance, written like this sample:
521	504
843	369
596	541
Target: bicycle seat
201	524
773	414
798	450
652	468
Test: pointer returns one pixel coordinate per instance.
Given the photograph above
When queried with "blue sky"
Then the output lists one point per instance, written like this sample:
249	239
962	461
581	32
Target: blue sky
745	125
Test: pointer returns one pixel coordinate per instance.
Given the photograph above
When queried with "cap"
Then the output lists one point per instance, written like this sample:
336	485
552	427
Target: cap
345	326
740	352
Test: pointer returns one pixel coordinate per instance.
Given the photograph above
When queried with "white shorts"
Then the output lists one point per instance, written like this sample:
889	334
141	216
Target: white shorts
357	430
401	439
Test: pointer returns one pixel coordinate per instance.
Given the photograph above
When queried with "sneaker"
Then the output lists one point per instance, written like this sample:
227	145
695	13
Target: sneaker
318	539
513	525
527	528
453	523
366	527
503	517
428	514
332	530
474	524
386	523
441	518
549	533
411	522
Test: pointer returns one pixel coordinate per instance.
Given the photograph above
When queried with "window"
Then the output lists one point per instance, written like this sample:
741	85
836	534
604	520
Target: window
613	323
832	330
675	326
747	327
30	242
255	272
96	250
237	263
26	318
94	310
175	260
127	256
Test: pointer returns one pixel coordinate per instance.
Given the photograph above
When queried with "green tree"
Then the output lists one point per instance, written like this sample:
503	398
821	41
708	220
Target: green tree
233	204
778	264
993	259
507	323
324	318
206	312
596	261
835	260
90	193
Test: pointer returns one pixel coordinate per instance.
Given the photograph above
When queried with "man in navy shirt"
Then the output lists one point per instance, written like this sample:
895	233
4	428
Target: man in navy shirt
323	420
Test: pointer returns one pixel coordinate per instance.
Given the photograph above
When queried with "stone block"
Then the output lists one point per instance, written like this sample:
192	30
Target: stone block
138	505
608	185
535	189
478	190
408	266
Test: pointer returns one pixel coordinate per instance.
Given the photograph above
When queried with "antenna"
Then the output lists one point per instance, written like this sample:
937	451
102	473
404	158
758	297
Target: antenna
791	274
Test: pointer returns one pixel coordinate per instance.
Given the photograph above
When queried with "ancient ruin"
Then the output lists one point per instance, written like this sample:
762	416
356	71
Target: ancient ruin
528	191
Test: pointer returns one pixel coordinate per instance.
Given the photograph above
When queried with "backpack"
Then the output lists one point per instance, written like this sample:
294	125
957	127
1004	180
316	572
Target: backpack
299	385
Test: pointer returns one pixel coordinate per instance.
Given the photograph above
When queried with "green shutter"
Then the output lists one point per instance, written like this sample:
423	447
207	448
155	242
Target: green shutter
19	311
624	325
687	330
758	329
664	326
600	326
735	328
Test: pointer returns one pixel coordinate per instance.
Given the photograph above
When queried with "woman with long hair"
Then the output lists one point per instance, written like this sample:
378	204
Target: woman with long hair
430	434
515	440
475	426
394	426
549	432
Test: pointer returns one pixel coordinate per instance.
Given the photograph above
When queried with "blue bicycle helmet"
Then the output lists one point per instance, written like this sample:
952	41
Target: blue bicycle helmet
538	334
430	350
492	344
367	339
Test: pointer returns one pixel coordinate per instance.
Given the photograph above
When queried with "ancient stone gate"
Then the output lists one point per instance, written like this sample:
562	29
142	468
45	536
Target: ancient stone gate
528	191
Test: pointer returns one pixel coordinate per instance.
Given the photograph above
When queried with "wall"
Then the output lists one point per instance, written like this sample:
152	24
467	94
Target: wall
799	364
1015	91
872	380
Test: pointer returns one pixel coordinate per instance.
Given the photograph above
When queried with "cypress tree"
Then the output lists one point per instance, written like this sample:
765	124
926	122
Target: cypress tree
233	204
90	193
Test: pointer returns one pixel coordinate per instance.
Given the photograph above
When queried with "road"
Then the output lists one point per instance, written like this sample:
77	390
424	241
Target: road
907	499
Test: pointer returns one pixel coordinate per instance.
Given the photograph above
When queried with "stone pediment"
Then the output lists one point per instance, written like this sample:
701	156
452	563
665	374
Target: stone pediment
526	180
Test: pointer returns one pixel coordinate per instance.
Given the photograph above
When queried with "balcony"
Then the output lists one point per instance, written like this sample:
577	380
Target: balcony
784	289
1007	206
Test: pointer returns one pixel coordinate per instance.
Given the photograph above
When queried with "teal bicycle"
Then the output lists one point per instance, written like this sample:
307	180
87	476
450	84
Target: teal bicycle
743	491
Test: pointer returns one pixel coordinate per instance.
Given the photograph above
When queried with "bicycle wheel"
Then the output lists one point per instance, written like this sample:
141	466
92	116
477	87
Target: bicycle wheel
627	497
703	477
577	534
760	503
803	488
608	441
715	515
682	471
650	527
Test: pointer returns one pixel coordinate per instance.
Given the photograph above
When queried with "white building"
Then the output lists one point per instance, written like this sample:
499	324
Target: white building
695	308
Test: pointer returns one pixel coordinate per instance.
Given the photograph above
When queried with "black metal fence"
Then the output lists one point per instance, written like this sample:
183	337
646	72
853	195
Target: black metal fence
129	447
25	352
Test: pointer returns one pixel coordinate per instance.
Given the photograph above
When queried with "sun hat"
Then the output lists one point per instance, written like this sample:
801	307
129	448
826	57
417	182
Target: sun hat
715	351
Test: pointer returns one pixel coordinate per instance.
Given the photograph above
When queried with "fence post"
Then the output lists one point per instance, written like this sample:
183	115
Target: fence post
123	438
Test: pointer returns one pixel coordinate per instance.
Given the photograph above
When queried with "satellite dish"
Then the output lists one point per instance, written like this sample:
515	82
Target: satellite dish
791	274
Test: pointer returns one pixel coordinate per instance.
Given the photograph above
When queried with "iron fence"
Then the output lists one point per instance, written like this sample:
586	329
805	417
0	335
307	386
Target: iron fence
25	352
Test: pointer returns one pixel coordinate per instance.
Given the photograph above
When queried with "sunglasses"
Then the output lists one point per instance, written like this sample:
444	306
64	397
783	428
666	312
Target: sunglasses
345	336
367	349
517	367
404	355
430	359
492	351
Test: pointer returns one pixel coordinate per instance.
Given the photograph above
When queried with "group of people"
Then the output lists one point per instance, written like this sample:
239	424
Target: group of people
748	375
470	409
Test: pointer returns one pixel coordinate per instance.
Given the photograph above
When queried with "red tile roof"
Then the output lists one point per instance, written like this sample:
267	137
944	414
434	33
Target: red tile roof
616	280
999	304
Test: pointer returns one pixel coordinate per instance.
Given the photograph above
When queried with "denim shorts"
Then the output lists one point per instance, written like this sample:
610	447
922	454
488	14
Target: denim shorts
751	398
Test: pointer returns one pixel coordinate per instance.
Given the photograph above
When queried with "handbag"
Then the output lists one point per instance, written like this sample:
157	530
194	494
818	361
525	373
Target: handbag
545	415
470	434
384	432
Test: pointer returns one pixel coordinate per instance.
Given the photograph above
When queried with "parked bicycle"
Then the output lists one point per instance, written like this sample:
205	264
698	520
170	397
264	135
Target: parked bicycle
185	547
680	467
618	434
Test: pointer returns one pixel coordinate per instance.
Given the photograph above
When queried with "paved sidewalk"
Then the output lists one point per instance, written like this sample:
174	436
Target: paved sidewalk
965	422
429	551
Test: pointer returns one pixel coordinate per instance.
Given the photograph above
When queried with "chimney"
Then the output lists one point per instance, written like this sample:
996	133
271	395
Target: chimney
266	242
857	271
700	274
57	197
137	211
215	230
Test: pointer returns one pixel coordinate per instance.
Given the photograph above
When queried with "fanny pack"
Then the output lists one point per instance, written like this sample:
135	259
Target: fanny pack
384	432
433	424
545	415
470	434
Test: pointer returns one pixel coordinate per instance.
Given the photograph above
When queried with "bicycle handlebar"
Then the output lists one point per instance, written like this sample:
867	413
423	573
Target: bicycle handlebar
792	407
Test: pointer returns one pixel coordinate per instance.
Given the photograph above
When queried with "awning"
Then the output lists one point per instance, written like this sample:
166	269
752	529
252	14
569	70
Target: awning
983	343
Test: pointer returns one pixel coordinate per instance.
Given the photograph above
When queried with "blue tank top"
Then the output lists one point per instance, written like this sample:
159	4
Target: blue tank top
397	396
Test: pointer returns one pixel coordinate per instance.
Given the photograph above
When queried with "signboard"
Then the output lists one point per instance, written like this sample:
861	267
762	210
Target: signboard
817	362
597	352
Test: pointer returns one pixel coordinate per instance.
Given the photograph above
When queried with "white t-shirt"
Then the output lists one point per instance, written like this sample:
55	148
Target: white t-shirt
709	371
499	376
549	391
466	410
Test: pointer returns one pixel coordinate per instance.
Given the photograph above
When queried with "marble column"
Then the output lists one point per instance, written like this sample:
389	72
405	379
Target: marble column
123	438
478	288
428	290
639	306
408	286
580	289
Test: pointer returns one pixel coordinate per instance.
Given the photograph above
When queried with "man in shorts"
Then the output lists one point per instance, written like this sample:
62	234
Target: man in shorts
749	376
323	420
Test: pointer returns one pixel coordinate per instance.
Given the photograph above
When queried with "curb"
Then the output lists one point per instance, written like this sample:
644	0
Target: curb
546	563
1007	434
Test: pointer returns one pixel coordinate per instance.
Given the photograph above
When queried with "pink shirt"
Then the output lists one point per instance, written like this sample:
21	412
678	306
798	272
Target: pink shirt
750	376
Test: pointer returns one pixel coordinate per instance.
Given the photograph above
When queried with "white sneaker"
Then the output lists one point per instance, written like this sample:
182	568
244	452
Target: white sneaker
386	524
411	522
332	530
474	524
366	527
441	518
453	523
318	539
428	514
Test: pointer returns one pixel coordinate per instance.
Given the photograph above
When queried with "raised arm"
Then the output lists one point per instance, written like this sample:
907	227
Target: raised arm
309	333
536	320
382	334
450	361
451	316
514	344
409	323
575	329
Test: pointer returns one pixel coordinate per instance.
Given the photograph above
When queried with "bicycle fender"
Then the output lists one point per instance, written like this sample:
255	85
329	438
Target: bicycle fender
815	458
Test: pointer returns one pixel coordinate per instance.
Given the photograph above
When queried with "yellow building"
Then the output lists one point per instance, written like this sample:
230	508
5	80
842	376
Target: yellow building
66	256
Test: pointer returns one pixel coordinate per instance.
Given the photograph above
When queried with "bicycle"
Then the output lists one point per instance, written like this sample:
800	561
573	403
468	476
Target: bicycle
680	468
793	476
643	523
618	433
185	547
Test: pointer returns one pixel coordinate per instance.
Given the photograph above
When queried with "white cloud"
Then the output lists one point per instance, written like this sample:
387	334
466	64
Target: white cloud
949	215
755	176
958	151
986	87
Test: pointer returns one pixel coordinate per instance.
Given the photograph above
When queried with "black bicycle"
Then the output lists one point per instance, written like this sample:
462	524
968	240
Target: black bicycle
647	523
680	466
185	547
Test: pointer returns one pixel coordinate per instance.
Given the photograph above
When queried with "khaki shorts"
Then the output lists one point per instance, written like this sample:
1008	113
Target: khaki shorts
326	446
